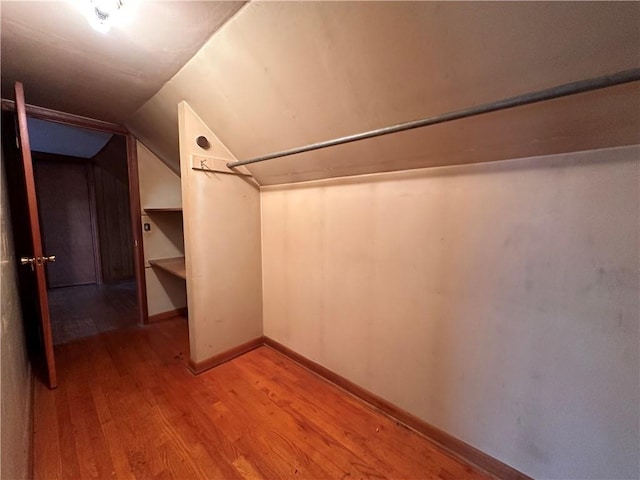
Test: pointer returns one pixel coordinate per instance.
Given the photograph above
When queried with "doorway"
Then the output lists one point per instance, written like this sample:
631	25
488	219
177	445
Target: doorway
82	186
86	203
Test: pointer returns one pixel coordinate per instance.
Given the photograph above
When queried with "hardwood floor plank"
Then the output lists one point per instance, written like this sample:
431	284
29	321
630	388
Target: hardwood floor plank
360	435
254	440
92	451
109	423
112	434
245	469
66	437
46	434
128	408
198	443
314	437
187	420
317	413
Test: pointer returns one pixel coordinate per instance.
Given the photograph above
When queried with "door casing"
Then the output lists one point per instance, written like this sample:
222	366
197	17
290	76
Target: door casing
134	193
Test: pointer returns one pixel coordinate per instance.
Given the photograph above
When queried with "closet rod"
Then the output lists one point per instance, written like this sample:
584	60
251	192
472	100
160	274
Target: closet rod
563	90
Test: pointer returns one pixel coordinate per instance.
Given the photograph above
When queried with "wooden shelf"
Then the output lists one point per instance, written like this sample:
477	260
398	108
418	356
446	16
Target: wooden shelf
174	266
167	209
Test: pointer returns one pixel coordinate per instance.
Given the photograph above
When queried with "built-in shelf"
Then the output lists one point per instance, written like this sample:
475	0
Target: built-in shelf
167	209
174	266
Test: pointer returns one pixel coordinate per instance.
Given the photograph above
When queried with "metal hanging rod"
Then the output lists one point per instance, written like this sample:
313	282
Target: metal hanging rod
563	90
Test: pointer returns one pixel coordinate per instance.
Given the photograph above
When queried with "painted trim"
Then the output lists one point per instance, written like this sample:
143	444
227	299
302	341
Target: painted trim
208	363
134	192
67	118
459	449
136	229
168	315
36	234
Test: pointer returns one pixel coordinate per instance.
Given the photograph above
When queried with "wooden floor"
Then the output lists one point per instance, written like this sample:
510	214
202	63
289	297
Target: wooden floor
127	407
86	310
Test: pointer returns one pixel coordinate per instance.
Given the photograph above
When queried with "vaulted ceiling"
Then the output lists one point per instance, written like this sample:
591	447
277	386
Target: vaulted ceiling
276	75
66	65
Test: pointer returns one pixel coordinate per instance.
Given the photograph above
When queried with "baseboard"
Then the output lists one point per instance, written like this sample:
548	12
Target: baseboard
459	449
454	446
199	367
160	317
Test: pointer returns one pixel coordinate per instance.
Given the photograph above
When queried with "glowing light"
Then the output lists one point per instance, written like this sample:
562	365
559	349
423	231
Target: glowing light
103	14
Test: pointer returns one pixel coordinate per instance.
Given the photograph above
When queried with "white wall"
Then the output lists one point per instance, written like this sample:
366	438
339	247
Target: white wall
15	374
498	302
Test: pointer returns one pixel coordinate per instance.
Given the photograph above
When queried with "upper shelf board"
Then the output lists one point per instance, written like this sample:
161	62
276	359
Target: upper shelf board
163	209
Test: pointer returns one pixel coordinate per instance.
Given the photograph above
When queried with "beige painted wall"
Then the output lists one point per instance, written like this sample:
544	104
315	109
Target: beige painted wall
159	185
498	302
222	246
160	188
165	292
15	373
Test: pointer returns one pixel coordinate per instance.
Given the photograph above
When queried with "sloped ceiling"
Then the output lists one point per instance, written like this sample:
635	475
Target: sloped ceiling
66	65
284	74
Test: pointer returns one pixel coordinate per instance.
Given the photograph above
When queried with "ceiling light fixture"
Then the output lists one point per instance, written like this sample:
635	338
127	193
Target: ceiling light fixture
103	14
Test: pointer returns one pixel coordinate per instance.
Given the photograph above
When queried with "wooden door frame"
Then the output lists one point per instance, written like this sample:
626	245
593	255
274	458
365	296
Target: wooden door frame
134	189
37	265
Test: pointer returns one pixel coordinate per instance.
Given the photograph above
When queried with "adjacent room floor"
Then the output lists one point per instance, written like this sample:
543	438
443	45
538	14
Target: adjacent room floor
127	407
86	310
